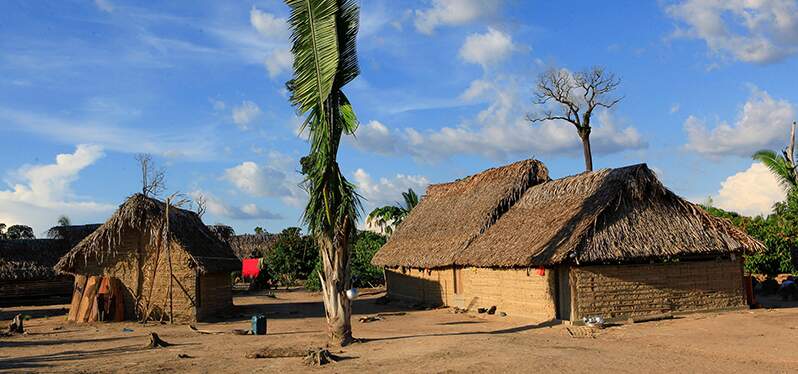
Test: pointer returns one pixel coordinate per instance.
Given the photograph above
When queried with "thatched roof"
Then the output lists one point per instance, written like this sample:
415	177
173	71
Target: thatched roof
453	214
252	245
607	216
30	259
73	234
141	219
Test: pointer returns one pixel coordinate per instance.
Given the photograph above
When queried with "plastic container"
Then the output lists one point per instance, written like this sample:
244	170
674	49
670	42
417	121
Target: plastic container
259	324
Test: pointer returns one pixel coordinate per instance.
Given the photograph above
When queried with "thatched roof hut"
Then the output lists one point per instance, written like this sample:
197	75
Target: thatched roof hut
72	234
252	245
451	215
613	242
144	215
30	259
607	216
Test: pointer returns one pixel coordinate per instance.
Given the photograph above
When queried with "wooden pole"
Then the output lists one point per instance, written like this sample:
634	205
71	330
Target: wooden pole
169	259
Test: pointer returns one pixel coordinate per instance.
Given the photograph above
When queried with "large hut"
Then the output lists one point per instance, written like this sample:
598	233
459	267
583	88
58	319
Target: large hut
167	268
613	242
26	266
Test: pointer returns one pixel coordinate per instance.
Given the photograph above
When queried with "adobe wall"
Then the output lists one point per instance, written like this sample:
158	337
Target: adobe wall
620	291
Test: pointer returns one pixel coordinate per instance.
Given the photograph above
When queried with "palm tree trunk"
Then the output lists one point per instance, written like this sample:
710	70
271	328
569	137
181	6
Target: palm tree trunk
334	284
584	134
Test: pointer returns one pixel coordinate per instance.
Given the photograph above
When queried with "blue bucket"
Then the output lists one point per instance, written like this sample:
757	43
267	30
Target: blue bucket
259	324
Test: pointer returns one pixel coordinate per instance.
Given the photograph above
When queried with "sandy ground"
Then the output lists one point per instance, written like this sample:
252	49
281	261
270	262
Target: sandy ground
425	341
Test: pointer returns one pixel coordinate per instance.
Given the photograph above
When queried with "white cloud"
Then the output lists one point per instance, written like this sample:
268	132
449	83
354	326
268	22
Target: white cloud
759	31
104	5
279	61
750	192
245	114
487	49
498	132
219	208
218	105
763	123
275	179
387	191
38	194
454	12
675	108
109	135
268	24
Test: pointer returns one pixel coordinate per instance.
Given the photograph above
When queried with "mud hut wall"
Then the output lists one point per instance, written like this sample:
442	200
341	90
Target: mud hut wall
138	283
515	291
215	296
431	287
620	291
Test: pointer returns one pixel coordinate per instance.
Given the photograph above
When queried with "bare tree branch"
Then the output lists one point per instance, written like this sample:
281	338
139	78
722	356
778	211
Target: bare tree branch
153	181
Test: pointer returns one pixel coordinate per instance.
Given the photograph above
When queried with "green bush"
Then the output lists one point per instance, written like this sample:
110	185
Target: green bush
778	232
292	257
364	273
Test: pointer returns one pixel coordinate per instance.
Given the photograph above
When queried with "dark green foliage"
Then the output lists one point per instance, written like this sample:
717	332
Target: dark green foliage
259	230
778	231
19	232
292	258
364	273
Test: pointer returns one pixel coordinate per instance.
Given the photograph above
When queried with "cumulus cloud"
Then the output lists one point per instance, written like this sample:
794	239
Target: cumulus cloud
246	113
752	31
487	49
38	194
763	123
453	12
104	5
387	191
268	24
220	208
279	61
274	179
498	132
750	192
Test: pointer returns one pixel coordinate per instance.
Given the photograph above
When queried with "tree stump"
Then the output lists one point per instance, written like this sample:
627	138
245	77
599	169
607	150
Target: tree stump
16	326
156	342
319	357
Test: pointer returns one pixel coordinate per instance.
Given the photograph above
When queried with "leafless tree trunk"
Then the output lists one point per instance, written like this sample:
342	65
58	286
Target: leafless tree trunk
576	96
334	284
152	180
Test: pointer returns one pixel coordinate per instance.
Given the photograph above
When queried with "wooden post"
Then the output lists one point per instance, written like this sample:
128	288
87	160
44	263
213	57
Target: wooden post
169	260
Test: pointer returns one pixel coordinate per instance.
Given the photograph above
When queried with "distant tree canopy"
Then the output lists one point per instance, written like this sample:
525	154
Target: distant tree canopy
64	221
15	232
778	231
292	257
364	274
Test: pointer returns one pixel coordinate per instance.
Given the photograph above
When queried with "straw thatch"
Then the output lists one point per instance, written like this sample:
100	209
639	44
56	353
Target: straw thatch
453	214
607	216
252	245
142	220
72	234
30	259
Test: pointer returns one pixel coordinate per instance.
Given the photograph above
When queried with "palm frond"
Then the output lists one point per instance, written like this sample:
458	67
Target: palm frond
779	166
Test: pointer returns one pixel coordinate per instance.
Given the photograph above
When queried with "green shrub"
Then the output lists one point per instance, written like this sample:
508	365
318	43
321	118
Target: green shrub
292	258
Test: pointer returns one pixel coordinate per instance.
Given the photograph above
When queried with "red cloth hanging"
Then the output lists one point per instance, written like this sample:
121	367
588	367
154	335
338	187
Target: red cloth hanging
541	271
250	268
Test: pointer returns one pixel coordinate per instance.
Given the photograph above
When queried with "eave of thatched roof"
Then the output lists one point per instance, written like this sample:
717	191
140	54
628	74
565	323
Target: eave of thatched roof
607	216
252	245
30	259
143	218
451	215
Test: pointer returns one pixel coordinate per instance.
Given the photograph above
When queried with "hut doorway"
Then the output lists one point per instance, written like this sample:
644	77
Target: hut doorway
562	295
457	280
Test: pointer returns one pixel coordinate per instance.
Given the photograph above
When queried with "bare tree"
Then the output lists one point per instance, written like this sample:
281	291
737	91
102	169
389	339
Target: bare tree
152	179
576	96
202	204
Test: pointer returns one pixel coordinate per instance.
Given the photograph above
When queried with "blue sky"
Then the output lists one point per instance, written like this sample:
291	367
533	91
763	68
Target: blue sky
445	86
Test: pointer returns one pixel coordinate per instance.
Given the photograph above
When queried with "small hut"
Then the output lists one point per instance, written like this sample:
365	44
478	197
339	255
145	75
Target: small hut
26	266
252	245
167	264
613	242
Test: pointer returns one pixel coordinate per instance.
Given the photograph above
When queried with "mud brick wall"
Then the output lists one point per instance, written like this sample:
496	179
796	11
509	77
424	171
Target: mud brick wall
516	292
216	296
619	291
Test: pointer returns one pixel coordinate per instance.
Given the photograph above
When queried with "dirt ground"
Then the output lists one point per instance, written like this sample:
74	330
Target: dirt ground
419	341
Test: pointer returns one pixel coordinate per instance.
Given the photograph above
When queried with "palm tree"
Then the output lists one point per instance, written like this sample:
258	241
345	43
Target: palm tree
323	36
390	216
782	166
